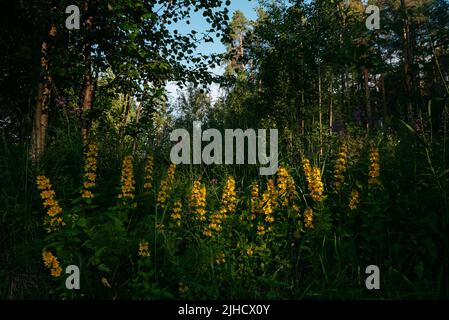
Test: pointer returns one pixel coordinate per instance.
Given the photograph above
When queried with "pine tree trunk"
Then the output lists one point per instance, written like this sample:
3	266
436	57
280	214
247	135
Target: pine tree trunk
407	56
368	100
331	105
40	123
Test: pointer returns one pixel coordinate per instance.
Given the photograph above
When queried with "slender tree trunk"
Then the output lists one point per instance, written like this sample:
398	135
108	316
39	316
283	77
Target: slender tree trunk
241	53
138	111
368	100
384	96
331	105
40	123
320	111
407	56
88	88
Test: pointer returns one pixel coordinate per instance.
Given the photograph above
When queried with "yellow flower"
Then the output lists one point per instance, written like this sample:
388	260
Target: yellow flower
308	218
260	230
127	179
160	227
183	288
307	169
90	168
220	259
249	251
340	167
255	201
149	173
374	168
286	187
165	186
144	250
207	232
197	200
316	186
176	213
52	221
313	177
354	200
228	205
52	263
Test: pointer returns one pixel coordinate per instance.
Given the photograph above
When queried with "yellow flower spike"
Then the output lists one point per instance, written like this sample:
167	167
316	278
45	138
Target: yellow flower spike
53	221
149	167
183	288
307	169
52	263
220	258
255	201
260	230
308	218
313	177
197	200
127	180
341	166
316	186
286	187
354	200
228	205
144	250
374	168
165	186
90	168
176	213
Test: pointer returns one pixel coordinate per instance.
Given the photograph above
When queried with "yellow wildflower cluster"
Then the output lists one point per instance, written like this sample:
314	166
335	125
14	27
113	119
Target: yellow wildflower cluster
165	186
220	259
340	167
176	214
308	218
354	200
316	186
267	206
286	186
52	263
374	168
90	171
144	249
261	230
228	206
53	221
160	227
149	174
268	201
249	251
197	200
313	177
127	179
229	197
183	288
307	169
254	199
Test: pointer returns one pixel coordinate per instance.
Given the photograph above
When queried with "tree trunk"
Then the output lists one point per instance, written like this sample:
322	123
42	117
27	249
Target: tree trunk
241	53
320	111
368	100
40	123
407	56
331	105
384	97
138	111
88	88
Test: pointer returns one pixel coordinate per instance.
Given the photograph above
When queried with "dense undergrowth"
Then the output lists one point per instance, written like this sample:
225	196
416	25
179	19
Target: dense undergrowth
141	228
